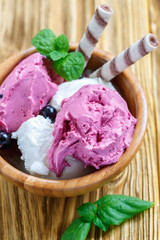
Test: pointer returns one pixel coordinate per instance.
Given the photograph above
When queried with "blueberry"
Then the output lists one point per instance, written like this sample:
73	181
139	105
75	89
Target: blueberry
49	112
5	139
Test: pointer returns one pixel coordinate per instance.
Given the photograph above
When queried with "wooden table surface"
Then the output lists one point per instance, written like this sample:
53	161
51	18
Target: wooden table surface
32	217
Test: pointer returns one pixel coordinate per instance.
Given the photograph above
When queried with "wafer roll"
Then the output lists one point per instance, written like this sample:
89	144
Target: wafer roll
126	58
94	30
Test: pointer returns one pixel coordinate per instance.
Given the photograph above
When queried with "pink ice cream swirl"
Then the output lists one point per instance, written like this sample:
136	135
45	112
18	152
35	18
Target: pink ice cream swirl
26	90
94	126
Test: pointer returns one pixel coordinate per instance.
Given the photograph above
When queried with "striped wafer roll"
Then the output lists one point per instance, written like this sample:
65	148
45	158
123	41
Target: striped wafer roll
94	30
126	58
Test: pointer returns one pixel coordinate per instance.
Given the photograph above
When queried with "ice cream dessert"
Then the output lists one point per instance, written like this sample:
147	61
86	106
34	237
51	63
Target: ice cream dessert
36	135
26	90
93	126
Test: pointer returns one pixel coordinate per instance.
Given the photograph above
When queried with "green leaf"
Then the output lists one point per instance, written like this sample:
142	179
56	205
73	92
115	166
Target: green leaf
99	223
108	210
62	43
114	209
70	67
77	230
55	55
44	42
87	211
67	65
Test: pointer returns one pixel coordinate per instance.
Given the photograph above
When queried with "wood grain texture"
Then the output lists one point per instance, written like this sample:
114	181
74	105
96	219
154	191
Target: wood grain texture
28	216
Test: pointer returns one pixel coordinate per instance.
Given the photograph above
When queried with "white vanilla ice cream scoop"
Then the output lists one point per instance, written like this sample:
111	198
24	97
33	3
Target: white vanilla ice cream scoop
34	138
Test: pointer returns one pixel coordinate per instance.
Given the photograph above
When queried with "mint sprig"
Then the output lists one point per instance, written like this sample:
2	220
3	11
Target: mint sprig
108	210
67	65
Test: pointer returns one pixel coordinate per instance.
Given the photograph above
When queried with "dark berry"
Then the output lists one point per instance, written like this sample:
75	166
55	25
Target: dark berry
49	112
1	95
5	139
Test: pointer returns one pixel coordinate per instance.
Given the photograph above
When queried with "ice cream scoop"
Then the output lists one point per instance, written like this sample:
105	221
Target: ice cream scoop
34	138
26	90
94	126
67	89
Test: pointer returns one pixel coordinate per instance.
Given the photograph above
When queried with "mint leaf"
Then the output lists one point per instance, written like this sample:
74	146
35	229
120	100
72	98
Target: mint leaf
55	55
62	43
67	65
87	211
99	223
114	209
77	230
108	210
70	67
44	42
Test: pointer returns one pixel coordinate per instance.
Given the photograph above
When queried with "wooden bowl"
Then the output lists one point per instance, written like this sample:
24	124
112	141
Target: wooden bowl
11	167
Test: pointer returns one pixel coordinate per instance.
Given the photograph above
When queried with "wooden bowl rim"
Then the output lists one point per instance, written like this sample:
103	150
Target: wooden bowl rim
77	186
